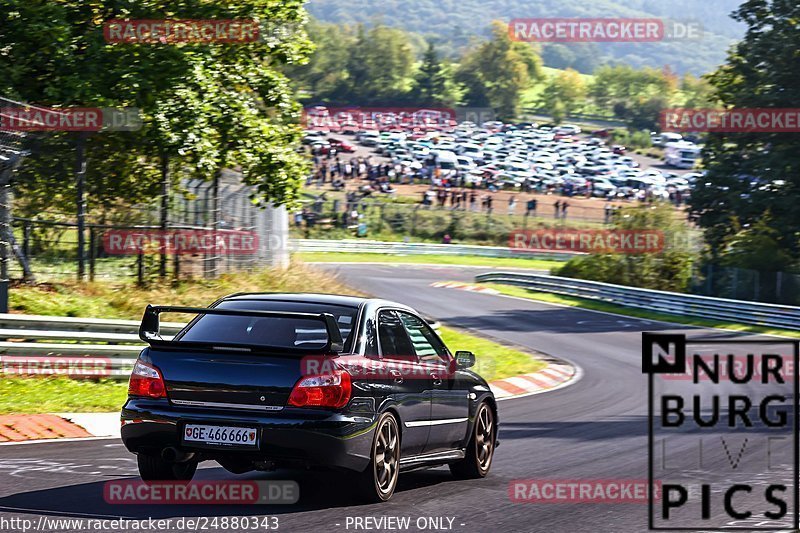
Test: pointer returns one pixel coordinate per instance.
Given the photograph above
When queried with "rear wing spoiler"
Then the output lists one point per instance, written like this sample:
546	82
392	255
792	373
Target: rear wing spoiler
149	329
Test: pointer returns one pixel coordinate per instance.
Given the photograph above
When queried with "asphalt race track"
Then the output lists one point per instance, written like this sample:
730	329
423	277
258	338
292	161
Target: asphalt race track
593	429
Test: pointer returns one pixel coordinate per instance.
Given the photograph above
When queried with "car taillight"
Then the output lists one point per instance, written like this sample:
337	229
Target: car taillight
331	389
146	381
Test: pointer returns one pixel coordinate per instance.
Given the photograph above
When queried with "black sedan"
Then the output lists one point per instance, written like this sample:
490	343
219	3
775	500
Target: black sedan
261	381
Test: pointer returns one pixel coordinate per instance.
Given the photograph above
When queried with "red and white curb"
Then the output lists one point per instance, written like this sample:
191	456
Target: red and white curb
553	376
463	286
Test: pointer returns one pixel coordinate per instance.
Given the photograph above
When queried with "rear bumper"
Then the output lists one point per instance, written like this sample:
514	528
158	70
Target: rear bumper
289	437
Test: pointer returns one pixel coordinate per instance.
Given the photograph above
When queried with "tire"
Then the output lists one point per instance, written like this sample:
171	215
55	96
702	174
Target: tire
154	468
377	482
480	450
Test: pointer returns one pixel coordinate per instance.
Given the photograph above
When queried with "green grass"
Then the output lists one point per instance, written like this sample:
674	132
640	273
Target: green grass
467	260
595	305
493	360
60	395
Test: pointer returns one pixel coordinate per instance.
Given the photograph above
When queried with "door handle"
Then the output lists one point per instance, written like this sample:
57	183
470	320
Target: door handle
436	379
397	376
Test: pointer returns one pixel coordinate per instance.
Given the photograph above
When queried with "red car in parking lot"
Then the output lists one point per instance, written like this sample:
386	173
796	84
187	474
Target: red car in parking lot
340	145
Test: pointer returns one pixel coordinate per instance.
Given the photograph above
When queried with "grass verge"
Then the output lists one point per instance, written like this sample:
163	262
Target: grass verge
595	305
466	260
60	395
126	301
493	360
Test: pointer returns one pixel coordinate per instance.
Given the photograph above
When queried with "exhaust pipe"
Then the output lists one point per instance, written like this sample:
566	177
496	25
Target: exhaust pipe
174	455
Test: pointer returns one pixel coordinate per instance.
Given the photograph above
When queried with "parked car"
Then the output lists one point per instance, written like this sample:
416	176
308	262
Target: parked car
342	146
264	381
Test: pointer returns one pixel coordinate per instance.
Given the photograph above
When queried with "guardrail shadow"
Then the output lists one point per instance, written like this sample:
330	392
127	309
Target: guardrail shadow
559	320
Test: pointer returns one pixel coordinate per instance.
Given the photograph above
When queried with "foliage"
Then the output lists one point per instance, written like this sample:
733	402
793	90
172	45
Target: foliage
752	174
496	72
669	270
564	94
458	24
203	106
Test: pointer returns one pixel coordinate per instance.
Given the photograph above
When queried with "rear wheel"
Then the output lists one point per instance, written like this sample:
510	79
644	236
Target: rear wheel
154	468
480	449
378	481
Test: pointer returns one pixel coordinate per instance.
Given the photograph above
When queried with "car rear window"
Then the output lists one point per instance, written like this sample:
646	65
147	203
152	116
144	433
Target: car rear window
296	333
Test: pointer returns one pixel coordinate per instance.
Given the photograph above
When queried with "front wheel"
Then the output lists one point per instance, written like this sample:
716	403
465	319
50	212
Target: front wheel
480	449
154	468
377	483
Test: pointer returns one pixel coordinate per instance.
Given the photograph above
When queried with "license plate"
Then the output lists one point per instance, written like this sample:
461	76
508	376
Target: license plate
220	435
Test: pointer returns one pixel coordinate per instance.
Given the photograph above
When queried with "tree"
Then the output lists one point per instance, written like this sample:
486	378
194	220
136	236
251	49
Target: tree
61	46
565	92
496	72
431	85
621	85
749	174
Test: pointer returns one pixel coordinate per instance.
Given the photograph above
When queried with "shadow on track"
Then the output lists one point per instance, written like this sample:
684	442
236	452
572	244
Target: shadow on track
318	491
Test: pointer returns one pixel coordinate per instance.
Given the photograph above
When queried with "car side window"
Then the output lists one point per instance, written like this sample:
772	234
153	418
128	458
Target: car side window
426	344
392	336
370	337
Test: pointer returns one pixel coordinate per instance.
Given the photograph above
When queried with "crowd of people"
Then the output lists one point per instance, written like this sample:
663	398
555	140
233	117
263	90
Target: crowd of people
360	177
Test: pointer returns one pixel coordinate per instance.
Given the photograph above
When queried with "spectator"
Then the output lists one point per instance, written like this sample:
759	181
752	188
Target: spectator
608	211
531	207
564	206
512	204
557	208
446	238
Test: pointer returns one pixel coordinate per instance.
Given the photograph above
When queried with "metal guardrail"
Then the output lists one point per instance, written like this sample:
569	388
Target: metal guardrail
419	248
49	345
737	311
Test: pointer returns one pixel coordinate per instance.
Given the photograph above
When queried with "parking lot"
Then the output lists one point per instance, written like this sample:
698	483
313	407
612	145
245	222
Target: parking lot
500	161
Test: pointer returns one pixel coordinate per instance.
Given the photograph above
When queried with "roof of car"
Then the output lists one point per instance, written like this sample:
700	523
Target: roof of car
333	299
314	298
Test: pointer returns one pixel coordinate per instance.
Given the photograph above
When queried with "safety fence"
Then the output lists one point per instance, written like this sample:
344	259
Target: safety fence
724	310
46	246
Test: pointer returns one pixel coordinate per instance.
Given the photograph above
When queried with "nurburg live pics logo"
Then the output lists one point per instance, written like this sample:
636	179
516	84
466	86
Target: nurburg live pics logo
722	444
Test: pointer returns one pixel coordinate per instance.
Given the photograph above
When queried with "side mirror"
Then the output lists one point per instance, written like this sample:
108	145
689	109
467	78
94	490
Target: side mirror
465	359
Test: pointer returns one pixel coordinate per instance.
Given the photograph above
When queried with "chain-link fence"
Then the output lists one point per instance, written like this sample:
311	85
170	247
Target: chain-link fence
478	224
140	248
753	285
